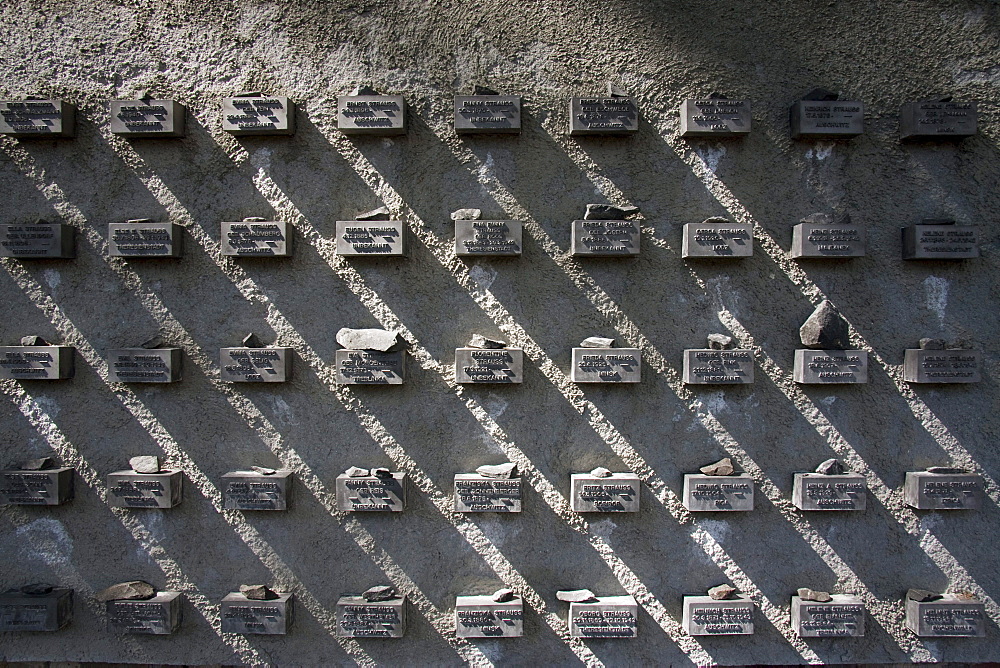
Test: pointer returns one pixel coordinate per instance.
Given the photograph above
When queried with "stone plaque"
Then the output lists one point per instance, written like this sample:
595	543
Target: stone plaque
618	493
244	116
37	118
249	490
374	237
829	241
43	612
941	366
487	237
717	240
816	491
145	240
705	616
128	489
257	238
370	367
371	115
943	491
37	240
147	118
371	493
489	365
607	617
603	116
947	617
358	618
715	118
36	362
606	365
160	615
482	617
940	242
718	493
475	493
144	365
704	366
937	120
823	367
827	119
251	617
487	114
843	617
48	487
255	365
597	238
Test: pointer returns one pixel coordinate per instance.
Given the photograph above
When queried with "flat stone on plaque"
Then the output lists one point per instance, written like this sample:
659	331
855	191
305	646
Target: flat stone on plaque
371	493
949	616
715	117
370	367
706	616
827	119
50	611
37	241
489	365
940	242
379	115
605	238
256	237
607	617
144	365
160	615
488	114
606	365
704	366
816	491
41	119
271	364
487	237
145	239
718	493
483	617
929	119
360	618
842	617
825	367
603	115
48	487
811	240
252	617
250	490
128	489
475	493
616	493
147	118
942	366
36	362
258	115
943	491
377	237
720	240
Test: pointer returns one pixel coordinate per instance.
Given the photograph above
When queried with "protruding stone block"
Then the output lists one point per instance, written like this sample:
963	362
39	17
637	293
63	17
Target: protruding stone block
252	617
607	617
37	119
148	118
827	119
715	117
827	241
146	239
950	616
940	242
928	119
367	238
258	115
706	616
487	114
485	365
942	366
487	237
371	493
605	238
370	367
482	617
250	490
943	491
358	618
718	240
257	238
475	493
36	612
606	365
160	615
36	362
826	367
617	493
272	364
37	241
718	493
843	617
128	489
144	365
379	115
47	487
705	366
603	116
815	491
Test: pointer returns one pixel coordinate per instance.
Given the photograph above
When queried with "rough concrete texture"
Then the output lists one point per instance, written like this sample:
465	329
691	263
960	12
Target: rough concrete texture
544	302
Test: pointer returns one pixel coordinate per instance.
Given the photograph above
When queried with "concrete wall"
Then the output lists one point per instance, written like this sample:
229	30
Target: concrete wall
546	302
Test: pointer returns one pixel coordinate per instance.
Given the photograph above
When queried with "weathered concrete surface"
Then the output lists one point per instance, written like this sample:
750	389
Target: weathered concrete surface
660	53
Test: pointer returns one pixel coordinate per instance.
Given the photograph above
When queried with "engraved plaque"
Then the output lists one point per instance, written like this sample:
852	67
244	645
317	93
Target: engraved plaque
829	241
160	615
703	366
843	617
374	237
272	115
823	367
941	366
249	490
147	118
145	240
358	618
128	489
492	114
250	617
255	365
44	612
252	238
606	365
943	491
487	237
607	617
605	237
475	493
370	367
937	120
603	116
48	487
827	119
717	240
940	242
144	365
482	617
947	617
371	493
37	240
371	115
715	118
718	493
618	493
37	118
36	362
704	616
816	491
489	365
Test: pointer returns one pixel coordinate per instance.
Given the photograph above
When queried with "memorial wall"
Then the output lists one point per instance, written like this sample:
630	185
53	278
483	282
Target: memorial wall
499	334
